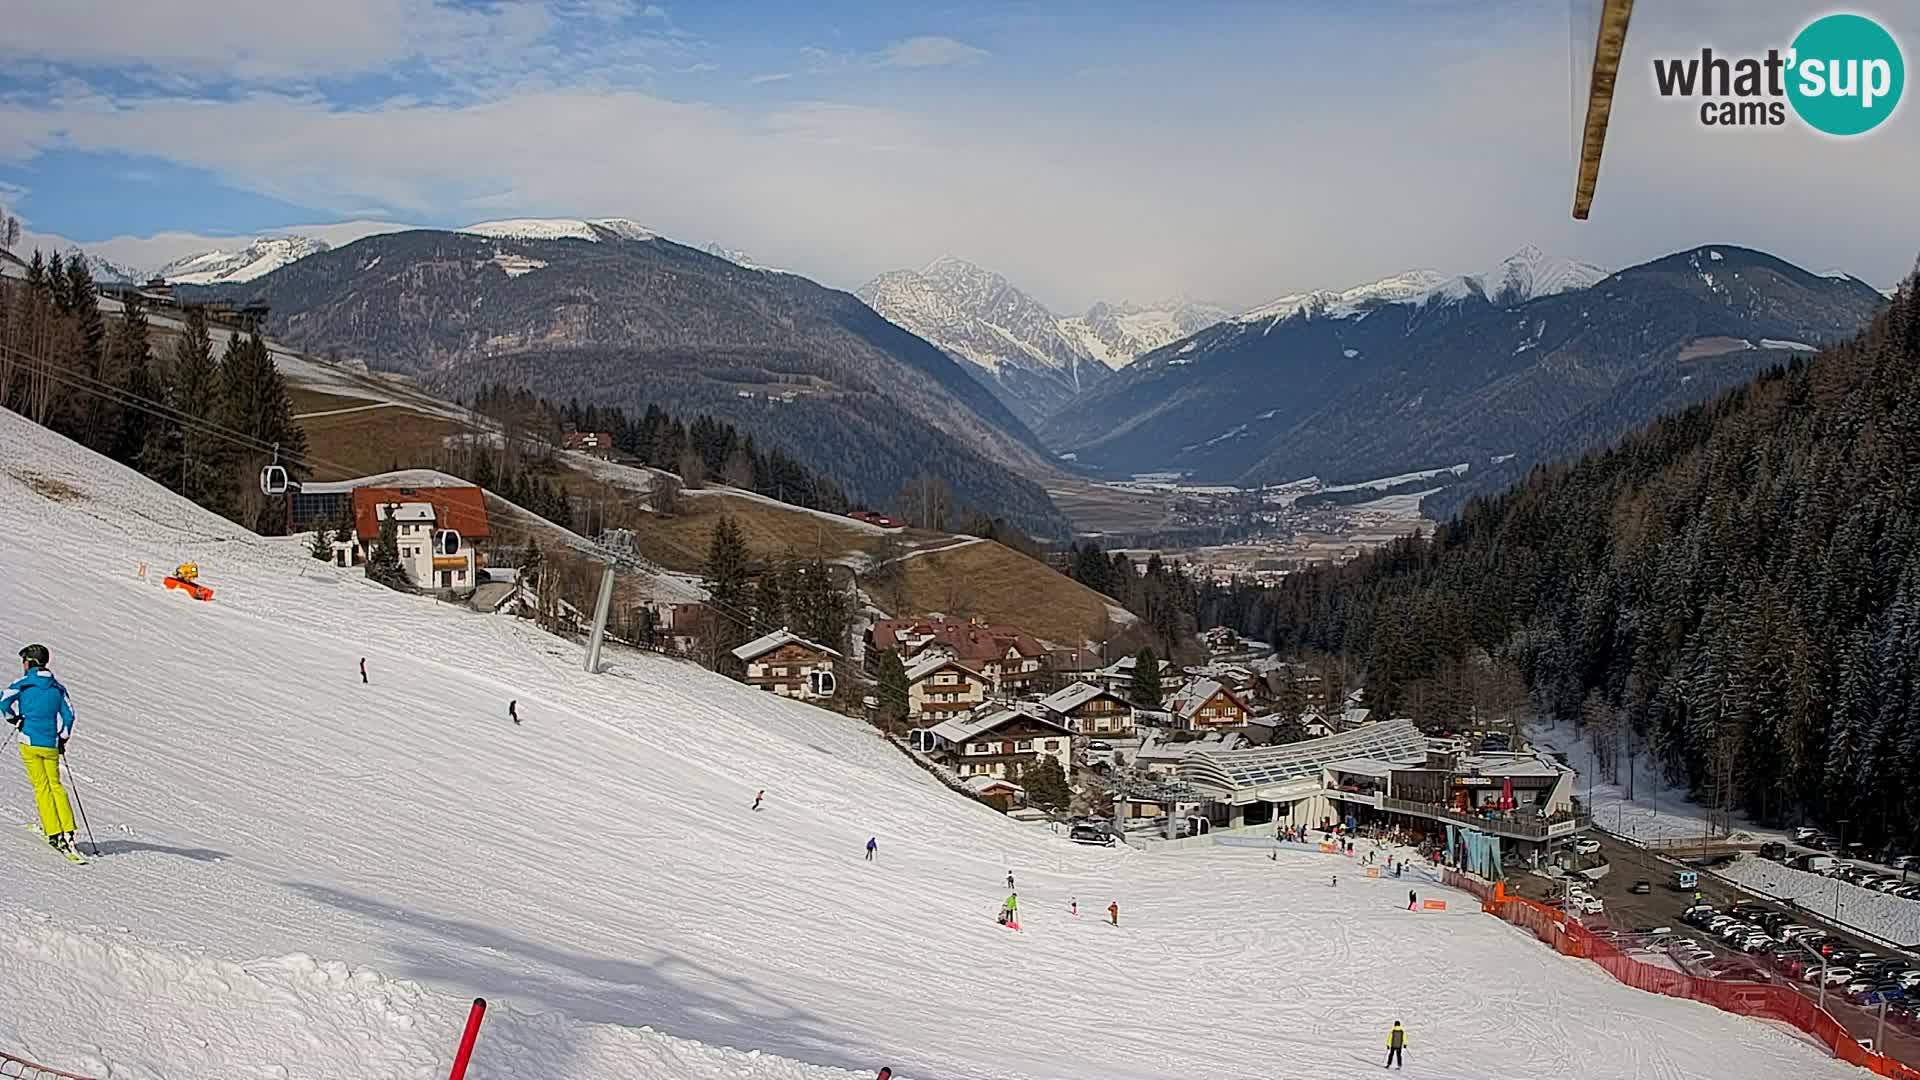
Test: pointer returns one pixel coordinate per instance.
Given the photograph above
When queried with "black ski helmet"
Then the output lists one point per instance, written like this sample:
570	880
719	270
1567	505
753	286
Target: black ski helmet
36	655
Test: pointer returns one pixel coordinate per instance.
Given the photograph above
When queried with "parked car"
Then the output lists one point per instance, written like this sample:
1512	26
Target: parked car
1794	932
1887	884
1817	839
1641	887
1908	892
1803	834
1909	978
1090	834
1698	914
1586	845
1836	976
1774	850
1906	862
1754	943
1592	905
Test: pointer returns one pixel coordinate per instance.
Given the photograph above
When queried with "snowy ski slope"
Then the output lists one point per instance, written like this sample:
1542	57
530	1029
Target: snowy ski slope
308	877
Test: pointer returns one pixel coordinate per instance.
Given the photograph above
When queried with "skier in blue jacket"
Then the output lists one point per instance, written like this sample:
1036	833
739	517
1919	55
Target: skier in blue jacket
37	704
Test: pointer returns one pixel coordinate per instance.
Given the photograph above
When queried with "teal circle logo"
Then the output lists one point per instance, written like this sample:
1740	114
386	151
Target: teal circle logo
1847	75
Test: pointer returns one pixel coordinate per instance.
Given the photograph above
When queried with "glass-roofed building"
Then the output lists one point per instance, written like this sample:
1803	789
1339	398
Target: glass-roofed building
1388	774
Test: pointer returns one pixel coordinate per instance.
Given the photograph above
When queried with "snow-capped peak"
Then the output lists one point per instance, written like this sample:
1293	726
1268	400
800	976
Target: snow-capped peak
1409	285
589	229
263	256
1525	275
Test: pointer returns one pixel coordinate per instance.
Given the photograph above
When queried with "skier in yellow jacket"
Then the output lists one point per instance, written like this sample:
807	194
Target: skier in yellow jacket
1396	1042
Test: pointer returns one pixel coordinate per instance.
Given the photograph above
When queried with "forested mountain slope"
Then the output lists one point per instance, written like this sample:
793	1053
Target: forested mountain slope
1400	375
627	322
1736	587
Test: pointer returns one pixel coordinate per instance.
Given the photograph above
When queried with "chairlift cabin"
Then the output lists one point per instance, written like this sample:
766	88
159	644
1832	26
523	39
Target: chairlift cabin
447	542
273	480
820	683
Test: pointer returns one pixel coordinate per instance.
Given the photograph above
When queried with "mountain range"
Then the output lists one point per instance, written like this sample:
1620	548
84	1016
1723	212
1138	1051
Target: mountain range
1423	370
1034	360
606	311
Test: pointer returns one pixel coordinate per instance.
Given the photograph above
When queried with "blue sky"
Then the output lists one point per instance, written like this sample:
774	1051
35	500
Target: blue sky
1228	151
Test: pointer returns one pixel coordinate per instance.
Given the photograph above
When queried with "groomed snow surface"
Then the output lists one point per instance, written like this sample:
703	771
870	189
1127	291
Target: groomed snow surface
308	877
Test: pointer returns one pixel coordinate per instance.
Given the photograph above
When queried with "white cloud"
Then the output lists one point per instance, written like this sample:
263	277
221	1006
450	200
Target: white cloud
919	52
770	77
202	39
1221	179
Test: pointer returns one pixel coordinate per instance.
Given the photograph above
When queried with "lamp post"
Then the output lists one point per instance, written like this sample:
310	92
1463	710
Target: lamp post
1836	880
1822	957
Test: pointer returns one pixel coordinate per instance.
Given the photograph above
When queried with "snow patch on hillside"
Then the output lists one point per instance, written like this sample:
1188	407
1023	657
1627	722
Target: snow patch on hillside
594	230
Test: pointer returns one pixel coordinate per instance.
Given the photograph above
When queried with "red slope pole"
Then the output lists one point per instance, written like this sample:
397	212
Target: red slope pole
466	1041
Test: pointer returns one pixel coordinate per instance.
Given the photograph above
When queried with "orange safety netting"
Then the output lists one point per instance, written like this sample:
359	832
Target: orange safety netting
1766	1001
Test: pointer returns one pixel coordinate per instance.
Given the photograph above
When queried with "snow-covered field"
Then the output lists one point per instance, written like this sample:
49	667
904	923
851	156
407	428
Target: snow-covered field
308	877
1890	918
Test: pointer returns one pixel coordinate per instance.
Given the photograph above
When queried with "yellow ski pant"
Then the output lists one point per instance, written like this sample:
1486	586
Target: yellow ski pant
43	772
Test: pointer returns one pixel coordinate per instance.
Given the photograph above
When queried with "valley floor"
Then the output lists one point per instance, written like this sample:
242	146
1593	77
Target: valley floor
305	876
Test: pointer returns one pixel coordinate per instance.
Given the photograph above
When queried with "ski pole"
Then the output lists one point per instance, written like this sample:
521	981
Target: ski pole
80	806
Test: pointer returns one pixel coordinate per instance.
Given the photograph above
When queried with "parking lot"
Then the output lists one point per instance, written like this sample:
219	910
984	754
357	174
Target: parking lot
1662	906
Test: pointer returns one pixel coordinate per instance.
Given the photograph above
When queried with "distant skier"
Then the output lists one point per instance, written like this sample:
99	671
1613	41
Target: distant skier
363	670
1336	881
872	843
1075	907
1113	912
513	711
1413	900
37	704
757	797
1396	1042
1009	879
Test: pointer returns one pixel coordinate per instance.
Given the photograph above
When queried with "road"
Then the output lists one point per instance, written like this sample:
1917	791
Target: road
1663	905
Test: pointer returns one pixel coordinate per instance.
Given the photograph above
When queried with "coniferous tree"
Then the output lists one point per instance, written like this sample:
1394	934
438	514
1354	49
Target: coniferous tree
383	559
1145	689
189	454
132	364
321	546
892	675
730	602
1046	784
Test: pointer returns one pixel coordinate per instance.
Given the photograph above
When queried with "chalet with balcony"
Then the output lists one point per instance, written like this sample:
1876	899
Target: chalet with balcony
786	664
1206	705
1117	677
939	687
1091	711
1010	659
1002	743
436	531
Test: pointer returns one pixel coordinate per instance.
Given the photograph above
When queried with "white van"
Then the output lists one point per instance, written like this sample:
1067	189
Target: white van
1814	863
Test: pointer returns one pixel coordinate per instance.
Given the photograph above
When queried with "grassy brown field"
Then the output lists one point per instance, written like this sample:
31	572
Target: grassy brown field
350	444
1001	585
1097	508
680	541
